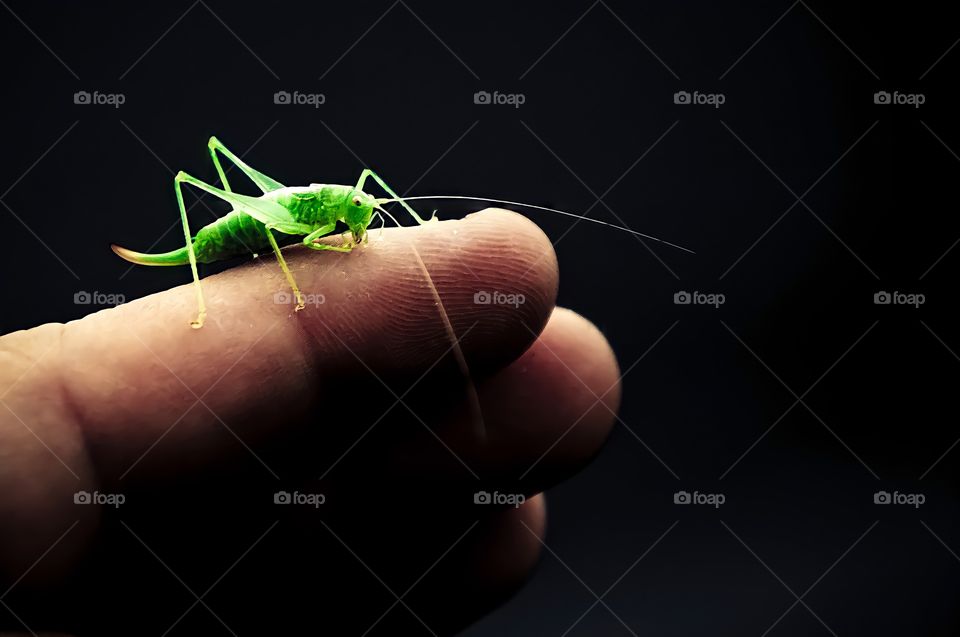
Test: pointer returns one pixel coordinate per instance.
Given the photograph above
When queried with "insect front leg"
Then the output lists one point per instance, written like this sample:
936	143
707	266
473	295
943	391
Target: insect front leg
369	173
320	232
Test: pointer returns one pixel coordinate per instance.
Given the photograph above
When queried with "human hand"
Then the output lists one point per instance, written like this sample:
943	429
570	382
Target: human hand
357	398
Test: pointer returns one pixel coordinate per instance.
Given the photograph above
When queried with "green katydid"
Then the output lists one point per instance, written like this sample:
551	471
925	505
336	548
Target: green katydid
309	211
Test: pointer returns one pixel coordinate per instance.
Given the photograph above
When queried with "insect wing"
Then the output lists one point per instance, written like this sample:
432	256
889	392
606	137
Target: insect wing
269	213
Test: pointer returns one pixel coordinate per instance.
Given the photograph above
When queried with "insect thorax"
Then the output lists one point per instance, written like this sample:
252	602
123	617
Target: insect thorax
316	204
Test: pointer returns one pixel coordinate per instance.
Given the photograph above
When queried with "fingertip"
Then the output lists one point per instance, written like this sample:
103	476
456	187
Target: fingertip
517	535
498	275
547	414
556	405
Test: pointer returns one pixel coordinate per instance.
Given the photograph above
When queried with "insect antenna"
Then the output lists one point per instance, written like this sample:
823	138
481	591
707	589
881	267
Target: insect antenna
479	426
543	208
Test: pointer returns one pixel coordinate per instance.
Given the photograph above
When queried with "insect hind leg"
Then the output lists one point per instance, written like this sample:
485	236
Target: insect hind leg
286	271
263	182
197	323
268	213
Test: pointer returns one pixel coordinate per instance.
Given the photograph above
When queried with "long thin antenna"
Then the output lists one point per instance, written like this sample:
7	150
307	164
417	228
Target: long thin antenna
527	205
479	425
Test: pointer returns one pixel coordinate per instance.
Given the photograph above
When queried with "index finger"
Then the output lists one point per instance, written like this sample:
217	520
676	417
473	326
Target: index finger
134	370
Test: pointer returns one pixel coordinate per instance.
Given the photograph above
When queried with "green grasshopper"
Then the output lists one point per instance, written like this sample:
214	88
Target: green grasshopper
310	211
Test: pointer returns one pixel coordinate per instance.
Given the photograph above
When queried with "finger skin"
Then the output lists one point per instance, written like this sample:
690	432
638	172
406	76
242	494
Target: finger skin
547	414
43	462
98	393
564	394
259	362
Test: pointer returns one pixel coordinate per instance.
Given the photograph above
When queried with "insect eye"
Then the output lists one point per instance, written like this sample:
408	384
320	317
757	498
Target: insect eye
356	201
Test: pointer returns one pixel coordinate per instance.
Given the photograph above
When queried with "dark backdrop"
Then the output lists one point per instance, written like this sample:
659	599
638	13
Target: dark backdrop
802	197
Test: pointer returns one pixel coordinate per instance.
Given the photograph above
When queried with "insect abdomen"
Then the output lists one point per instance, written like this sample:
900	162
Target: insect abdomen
232	235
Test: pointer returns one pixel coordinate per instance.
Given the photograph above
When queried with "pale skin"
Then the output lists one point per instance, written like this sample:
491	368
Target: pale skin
82	402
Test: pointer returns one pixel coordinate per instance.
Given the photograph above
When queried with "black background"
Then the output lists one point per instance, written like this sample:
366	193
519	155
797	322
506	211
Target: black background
599	114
